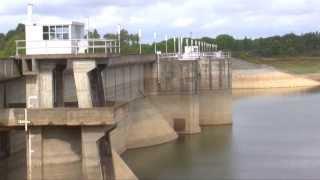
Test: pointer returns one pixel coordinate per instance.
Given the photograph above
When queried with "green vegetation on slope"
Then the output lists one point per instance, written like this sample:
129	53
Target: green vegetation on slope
288	45
7	41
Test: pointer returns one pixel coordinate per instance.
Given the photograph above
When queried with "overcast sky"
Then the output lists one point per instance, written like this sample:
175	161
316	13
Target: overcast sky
240	18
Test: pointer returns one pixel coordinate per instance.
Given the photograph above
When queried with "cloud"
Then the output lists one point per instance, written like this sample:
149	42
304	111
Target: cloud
201	17
183	22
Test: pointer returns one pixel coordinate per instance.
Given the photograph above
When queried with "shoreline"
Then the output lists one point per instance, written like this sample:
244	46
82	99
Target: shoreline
246	75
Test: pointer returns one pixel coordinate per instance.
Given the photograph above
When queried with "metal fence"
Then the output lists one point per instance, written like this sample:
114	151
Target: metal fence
197	55
73	46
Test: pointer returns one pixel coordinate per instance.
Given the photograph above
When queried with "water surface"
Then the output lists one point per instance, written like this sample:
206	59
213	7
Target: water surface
274	136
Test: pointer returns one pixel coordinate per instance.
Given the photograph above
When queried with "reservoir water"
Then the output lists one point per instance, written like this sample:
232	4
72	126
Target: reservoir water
275	135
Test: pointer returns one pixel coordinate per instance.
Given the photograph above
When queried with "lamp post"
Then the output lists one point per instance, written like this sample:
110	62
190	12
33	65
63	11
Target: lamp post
119	37
155	42
140	36
174	44
88	28
166	37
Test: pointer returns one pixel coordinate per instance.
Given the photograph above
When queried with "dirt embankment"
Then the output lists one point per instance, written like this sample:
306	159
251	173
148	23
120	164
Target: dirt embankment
252	76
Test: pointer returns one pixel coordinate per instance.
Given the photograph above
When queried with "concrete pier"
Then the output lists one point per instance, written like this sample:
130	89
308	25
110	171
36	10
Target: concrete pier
46	89
82	82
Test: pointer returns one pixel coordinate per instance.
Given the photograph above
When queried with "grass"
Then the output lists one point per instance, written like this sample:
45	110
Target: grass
294	65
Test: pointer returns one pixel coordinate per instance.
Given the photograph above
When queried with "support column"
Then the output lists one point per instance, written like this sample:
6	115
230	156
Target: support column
4	154
46	92
32	91
90	153
17	156
221	74
34	153
81	68
96	87
193	122
58	79
2	96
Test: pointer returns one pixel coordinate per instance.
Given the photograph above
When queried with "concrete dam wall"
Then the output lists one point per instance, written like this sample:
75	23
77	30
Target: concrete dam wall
141	102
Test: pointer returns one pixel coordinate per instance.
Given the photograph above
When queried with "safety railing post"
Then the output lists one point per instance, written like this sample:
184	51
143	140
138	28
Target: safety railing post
105	47
17	53
93	47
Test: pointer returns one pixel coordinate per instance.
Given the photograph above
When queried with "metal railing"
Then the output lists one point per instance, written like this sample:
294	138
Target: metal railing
218	54
73	46
197	55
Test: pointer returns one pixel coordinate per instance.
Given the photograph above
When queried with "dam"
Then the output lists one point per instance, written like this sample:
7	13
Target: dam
70	107
82	111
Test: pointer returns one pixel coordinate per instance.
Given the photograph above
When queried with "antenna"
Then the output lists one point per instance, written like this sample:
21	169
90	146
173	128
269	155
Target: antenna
30	12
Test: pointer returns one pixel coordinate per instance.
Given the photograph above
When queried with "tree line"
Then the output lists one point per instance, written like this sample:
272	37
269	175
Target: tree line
287	45
307	44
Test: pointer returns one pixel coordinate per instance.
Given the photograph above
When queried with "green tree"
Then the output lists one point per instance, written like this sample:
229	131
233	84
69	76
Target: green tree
94	34
225	42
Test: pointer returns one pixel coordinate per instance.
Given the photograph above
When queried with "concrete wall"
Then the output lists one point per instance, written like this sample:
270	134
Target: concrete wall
81	68
190	76
90	152
14	167
179	109
194	92
149	126
69	87
56	153
32	91
119	136
214	74
123	83
215	107
2	90
46	85
8	70
16	92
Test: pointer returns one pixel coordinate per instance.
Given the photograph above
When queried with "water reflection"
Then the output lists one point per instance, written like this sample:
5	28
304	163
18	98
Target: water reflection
184	158
274	136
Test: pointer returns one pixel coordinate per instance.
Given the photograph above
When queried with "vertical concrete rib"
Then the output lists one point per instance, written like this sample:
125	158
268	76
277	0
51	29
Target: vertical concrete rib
32	91
2	96
35	153
46	85
58	79
81	68
90	153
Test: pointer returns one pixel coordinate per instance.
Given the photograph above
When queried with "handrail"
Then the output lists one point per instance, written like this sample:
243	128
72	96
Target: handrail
198	55
77	46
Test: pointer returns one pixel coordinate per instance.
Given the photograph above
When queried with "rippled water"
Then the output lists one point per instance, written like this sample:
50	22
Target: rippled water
274	136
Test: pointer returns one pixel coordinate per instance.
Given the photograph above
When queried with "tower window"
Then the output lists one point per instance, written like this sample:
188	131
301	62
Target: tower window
45	33
59	32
